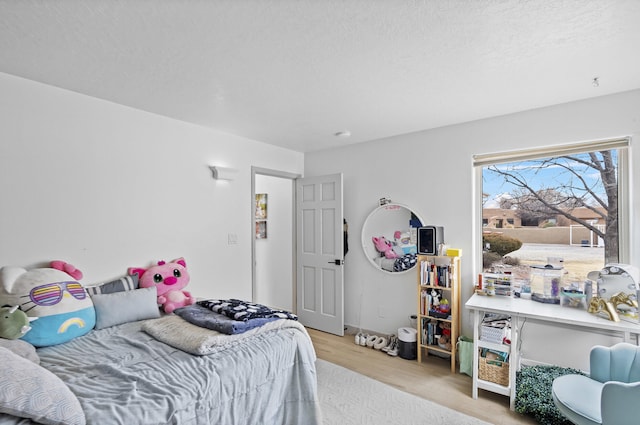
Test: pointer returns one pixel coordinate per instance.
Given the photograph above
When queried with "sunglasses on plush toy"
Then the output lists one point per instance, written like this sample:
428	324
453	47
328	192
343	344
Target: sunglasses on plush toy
52	293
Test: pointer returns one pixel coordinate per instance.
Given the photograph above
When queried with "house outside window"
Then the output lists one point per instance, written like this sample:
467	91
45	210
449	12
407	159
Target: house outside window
557	199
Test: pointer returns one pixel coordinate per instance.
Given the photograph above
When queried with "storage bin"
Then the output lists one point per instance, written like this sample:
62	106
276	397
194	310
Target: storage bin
546	281
407	343
495	371
494	334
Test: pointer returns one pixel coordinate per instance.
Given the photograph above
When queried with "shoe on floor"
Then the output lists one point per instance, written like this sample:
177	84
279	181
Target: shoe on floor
389	343
393	351
363	339
371	339
380	343
358	337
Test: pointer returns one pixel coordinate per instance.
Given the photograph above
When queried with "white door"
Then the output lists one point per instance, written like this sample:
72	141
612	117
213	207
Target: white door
320	290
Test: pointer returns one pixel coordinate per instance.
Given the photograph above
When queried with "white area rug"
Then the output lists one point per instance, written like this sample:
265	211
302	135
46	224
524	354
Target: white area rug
349	398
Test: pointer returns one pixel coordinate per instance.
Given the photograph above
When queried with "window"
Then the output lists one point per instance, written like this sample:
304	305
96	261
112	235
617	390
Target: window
566	203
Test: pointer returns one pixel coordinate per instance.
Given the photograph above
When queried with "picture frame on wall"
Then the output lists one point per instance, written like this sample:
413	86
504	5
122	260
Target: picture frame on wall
261	206
261	229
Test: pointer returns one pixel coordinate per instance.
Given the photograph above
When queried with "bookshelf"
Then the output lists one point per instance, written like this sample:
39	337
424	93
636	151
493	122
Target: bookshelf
438	326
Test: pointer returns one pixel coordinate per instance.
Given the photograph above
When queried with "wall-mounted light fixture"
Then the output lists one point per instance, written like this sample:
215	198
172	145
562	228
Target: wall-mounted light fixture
223	173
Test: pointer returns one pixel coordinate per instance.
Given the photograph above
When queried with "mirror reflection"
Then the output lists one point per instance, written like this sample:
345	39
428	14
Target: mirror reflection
389	238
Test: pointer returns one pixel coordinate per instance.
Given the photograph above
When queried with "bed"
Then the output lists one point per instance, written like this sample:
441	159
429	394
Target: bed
125	375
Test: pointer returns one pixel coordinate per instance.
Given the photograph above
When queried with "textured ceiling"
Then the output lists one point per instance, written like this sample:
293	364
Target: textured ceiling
295	72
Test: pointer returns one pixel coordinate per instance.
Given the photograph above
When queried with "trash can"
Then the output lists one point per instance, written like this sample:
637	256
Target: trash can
465	355
407	343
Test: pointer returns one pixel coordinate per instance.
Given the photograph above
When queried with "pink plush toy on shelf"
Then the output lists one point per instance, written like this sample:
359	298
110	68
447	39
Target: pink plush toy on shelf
384	246
169	279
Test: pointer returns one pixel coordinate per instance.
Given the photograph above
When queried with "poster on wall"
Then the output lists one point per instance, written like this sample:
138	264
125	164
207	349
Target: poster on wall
261	206
261	229
261	216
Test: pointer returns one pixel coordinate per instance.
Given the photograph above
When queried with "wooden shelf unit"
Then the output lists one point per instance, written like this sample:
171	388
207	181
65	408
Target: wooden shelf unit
440	274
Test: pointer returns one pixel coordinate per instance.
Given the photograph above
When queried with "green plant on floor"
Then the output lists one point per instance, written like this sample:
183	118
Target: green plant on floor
533	393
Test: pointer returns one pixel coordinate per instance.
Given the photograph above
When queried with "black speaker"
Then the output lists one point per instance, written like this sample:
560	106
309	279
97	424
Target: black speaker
429	238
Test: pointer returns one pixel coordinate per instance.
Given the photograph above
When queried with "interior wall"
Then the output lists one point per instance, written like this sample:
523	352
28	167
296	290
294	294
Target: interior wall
432	173
106	187
274	255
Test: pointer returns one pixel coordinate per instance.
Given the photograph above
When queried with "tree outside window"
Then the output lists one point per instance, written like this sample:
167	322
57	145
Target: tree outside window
556	199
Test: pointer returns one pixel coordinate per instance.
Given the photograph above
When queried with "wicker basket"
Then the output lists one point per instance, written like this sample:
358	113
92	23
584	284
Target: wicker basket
494	371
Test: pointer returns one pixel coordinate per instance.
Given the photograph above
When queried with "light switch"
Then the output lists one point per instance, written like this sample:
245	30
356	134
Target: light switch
232	239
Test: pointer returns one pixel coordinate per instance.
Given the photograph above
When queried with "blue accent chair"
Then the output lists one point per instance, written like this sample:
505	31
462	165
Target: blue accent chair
610	395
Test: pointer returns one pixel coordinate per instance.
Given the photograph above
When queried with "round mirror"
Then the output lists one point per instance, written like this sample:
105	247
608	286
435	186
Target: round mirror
389	238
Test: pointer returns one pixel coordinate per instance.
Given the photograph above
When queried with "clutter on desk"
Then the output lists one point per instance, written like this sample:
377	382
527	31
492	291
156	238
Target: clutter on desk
495	283
573	295
617	293
546	281
612	292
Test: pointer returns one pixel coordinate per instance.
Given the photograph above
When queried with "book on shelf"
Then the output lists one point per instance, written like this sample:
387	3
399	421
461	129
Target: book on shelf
432	274
431	333
429	329
425	301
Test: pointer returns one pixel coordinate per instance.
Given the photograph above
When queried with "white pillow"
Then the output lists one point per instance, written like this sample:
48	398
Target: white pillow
31	391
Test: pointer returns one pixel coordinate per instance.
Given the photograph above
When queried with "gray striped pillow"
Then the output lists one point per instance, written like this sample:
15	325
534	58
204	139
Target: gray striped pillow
125	283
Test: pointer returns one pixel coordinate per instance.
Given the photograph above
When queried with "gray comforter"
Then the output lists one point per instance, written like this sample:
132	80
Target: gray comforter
122	375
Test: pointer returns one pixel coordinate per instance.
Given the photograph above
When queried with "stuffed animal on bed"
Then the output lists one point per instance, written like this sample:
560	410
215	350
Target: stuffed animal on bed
55	297
169	279
14	323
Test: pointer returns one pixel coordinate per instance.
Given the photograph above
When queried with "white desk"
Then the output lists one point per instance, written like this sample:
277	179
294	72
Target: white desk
519	310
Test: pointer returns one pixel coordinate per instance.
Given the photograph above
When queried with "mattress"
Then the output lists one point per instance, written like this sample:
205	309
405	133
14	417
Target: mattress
123	375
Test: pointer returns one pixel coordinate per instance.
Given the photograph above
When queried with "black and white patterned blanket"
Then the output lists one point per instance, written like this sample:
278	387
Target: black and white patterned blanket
244	310
405	262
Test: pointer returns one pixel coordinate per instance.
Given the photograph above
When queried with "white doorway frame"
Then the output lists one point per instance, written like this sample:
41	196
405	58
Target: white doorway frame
286	175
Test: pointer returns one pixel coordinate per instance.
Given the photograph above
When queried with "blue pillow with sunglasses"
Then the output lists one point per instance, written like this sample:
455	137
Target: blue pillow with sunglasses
61	304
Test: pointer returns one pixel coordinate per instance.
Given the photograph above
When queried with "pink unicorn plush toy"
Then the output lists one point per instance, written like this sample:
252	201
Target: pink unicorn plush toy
169	279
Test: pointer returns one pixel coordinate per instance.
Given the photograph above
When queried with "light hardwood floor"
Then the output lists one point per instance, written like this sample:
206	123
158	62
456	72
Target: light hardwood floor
432	379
